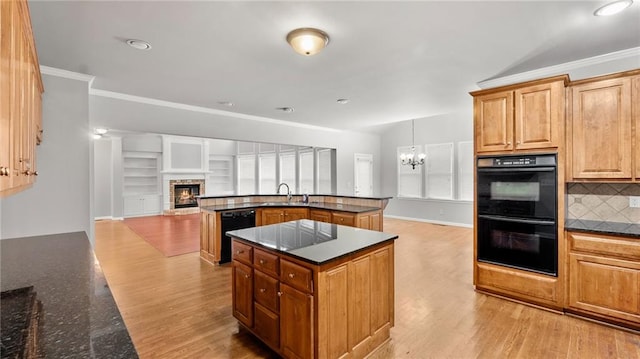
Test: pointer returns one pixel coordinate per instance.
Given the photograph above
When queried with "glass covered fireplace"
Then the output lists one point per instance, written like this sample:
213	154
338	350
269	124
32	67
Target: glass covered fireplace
184	195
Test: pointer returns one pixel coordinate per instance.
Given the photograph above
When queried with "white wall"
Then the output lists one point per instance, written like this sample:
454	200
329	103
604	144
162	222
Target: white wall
456	127
143	117
103	178
59	201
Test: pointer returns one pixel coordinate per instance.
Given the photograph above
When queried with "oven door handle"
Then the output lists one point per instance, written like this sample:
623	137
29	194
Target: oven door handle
517	220
516	169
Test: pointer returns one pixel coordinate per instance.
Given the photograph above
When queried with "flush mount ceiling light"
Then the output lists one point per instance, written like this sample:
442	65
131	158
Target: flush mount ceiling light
101	131
139	44
307	41
613	8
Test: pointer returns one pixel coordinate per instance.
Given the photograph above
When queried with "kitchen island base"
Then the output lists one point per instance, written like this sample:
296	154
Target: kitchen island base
341	308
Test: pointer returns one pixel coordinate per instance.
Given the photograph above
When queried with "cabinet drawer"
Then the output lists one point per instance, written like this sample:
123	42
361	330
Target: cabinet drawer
266	262
297	276
267	326
242	252
265	290
621	247
345	219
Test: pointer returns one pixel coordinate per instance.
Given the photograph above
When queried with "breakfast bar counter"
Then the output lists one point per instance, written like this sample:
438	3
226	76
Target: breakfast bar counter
311	289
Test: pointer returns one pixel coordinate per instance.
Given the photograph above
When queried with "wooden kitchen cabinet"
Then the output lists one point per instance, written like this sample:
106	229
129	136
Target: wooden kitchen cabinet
600	133
526	116
20	99
635	113
242	290
604	277
279	215
320	215
296	322
344	218
302	310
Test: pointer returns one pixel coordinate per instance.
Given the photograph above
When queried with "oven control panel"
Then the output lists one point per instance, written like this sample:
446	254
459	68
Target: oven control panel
517	161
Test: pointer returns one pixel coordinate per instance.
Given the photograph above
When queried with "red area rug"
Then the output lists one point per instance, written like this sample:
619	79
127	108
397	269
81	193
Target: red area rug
171	235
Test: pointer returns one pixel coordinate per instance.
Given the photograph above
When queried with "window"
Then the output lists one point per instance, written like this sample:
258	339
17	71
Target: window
409	179
465	171
436	178
267	173
306	175
246	174
325	171
288	169
439	171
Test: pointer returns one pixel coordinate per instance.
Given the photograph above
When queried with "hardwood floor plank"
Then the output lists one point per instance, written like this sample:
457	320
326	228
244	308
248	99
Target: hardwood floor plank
180	307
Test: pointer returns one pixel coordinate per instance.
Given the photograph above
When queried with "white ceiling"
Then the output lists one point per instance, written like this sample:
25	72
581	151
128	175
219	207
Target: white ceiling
394	60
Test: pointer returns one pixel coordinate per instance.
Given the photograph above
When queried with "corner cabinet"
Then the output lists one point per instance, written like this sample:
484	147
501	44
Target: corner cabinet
604	277
520	117
602	144
343	308
20	99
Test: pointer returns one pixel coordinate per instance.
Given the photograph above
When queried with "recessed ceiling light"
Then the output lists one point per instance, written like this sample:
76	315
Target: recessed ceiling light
342	101
139	44
613	8
96	136
100	131
225	103
285	109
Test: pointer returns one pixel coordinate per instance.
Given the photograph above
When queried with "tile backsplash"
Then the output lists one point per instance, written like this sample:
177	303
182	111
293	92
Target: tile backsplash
607	202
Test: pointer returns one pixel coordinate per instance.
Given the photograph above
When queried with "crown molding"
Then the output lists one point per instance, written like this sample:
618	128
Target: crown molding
181	106
559	69
52	71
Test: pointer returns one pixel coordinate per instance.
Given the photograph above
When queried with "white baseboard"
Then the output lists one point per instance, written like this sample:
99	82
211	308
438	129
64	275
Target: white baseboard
444	223
108	218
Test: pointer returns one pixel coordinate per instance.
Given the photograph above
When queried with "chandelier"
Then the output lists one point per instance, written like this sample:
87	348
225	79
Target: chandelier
411	159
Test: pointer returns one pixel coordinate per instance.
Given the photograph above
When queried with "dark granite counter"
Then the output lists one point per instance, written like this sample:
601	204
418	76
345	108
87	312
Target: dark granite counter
312	241
316	205
611	228
79	318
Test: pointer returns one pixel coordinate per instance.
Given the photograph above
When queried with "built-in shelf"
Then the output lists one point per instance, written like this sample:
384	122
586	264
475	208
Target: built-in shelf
141	183
221	179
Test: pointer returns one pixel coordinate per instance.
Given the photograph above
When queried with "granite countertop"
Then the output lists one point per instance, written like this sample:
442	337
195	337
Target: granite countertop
314	205
312	241
612	228
79	317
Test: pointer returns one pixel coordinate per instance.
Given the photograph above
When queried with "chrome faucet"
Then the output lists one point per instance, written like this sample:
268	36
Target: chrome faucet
288	191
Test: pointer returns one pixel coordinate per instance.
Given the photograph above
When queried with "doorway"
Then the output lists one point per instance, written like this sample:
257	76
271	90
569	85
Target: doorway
363	176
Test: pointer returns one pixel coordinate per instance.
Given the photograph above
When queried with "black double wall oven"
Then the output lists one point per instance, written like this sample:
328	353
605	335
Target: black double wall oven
517	212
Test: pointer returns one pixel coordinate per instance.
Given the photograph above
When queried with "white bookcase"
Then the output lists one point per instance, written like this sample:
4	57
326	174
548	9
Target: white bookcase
141	183
221	175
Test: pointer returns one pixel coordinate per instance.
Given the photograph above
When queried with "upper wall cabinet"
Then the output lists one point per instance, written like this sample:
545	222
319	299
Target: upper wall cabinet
526	116
601	142
20	99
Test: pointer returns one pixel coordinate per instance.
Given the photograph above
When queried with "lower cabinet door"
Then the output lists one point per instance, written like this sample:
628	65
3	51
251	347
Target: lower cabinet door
267	326
243	293
605	286
296	311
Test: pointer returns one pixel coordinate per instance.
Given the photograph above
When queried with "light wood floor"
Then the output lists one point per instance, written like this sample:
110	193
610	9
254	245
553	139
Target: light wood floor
171	235
180	307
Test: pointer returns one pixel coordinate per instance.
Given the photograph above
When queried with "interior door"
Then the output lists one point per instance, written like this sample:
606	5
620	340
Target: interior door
363	176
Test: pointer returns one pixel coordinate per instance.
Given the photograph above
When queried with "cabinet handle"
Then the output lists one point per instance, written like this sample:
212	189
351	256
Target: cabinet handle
246	276
262	290
4	171
517	142
279	294
239	252
35	173
291	275
262	261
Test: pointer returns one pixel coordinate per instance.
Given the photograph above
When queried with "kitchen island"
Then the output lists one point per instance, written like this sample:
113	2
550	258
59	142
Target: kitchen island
311	289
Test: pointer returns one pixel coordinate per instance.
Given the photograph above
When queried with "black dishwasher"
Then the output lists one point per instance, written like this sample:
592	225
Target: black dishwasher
231	221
